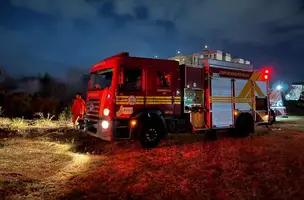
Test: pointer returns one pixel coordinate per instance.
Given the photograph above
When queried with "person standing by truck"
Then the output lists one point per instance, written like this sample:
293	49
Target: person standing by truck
78	108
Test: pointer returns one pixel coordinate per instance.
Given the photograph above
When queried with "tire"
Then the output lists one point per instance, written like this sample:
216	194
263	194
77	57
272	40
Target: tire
151	131
244	125
273	120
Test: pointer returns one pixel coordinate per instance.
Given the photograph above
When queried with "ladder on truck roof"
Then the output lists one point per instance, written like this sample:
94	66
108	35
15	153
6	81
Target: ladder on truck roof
229	65
223	64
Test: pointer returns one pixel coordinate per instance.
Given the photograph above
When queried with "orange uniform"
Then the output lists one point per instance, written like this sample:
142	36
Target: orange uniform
78	109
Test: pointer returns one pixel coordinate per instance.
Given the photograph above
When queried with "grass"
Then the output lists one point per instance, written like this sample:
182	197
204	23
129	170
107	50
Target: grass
21	127
22	124
290	119
30	168
66	164
253	168
292	123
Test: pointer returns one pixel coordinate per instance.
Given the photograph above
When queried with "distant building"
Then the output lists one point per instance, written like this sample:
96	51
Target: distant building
197	58
238	60
182	59
227	57
213	54
295	91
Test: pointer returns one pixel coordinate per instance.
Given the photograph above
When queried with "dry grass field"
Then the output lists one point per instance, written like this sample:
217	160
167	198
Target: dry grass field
48	160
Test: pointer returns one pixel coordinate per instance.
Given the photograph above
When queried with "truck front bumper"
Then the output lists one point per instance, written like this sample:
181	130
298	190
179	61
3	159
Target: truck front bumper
109	130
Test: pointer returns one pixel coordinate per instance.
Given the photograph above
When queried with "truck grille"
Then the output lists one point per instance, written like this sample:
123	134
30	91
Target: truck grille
93	110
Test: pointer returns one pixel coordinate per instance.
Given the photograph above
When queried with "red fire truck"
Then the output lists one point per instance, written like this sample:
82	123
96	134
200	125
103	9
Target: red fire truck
145	98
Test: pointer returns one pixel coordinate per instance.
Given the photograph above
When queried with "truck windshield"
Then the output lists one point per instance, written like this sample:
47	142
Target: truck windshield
101	79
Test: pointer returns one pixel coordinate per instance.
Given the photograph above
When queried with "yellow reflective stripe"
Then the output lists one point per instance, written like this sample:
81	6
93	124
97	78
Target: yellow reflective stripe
126	97
246	89
128	101
228	99
220	99
158	101
243	101
147	97
123	103
159	97
142	103
162	100
166	103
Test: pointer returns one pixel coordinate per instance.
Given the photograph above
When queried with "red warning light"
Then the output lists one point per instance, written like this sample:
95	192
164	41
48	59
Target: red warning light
265	74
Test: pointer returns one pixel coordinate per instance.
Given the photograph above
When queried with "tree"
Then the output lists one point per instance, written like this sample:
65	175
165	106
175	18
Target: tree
46	82
1	74
8	84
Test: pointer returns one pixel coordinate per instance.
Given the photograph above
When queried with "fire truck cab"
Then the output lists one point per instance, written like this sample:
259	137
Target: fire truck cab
145	99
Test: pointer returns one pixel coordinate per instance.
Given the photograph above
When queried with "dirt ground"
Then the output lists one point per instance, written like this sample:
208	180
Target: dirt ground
64	164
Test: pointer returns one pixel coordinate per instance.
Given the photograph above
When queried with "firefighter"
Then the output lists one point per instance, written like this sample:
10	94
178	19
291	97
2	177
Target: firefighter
168	79
78	108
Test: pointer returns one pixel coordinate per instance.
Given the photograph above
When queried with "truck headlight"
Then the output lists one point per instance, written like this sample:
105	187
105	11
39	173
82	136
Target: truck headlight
105	124
106	112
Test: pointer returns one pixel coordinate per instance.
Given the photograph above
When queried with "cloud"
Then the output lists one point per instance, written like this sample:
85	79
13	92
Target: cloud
86	31
71	9
234	20
70	45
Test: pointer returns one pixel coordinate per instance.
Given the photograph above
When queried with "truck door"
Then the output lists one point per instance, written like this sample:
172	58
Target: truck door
131	91
221	95
162	91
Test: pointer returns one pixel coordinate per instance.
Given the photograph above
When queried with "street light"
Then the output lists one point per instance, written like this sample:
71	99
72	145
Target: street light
279	87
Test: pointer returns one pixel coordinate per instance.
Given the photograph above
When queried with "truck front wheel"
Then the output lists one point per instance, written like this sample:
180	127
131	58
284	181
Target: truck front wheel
151	132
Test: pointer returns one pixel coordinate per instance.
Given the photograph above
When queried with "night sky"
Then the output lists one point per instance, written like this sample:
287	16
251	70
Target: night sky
58	36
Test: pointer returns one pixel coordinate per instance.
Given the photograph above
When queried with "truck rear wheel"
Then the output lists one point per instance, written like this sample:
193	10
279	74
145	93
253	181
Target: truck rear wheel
244	125
151	131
